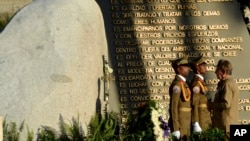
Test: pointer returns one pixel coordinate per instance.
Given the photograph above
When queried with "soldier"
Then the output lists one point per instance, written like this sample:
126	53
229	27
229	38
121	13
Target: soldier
180	104
201	116
225	104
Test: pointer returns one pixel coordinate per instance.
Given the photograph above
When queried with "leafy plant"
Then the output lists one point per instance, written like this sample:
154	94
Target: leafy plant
71	132
46	133
211	134
104	128
140	127
30	134
11	132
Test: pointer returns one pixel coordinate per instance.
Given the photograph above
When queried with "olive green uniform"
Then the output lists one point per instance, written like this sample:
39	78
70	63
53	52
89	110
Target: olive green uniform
225	105
180	107
200	111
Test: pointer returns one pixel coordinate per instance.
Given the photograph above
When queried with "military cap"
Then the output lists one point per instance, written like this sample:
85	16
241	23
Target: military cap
180	62
198	61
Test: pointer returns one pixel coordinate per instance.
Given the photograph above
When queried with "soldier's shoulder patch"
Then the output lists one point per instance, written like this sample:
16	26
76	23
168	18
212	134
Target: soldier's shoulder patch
176	89
196	89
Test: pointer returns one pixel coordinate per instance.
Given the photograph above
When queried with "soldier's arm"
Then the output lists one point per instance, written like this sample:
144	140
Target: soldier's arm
227	96
195	103
174	107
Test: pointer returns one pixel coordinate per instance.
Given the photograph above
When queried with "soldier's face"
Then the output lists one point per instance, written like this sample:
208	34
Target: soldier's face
183	70
201	68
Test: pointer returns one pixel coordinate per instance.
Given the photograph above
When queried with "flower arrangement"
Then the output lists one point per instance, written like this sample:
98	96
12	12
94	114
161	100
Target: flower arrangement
161	129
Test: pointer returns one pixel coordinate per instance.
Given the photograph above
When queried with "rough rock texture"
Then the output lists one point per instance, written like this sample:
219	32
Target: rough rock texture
51	62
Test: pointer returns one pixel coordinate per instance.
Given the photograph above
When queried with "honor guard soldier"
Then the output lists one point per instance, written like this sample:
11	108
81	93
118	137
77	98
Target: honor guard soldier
180	101
201	116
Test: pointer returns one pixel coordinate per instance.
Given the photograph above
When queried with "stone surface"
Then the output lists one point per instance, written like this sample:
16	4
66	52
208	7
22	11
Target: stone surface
51	62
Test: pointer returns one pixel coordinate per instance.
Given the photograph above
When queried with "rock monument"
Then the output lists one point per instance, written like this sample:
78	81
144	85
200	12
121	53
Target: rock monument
51	62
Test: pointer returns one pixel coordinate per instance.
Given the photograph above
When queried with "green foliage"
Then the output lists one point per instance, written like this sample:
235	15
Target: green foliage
68	132
46	133
104	128
140	127
30	134
72	131
11	132
211	134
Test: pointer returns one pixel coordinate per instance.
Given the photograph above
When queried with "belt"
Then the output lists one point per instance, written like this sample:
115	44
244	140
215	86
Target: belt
202	106
185	109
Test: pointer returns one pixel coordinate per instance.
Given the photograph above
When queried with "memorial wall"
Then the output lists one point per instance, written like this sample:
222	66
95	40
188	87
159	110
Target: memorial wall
144	35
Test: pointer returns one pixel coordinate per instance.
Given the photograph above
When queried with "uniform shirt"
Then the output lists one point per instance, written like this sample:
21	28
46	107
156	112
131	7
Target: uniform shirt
180	97
225	105
200	111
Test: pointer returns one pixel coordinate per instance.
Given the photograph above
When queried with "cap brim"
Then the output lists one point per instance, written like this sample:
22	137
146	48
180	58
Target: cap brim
203	63
184	65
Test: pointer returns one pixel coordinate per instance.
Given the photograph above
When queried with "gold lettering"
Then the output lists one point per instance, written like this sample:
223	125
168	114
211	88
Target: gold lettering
204	47
211	13
125	50
165	76
171	14
146	14
162	7
147	35
212	81
203	33
229	53
149	49
181	48
167	42
163	63
186	7
157	83
229	47
244	87
140	21
174	34
137	84
140	70
242	80
221	26
244	101
192	27
118	22
133	7
132	1
164	55
227	40
162	21
142	28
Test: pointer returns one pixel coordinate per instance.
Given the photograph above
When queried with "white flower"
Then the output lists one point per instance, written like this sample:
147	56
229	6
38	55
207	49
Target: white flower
158	132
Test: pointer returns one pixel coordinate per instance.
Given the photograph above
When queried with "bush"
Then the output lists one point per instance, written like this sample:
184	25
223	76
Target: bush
11	132
212	134
140	127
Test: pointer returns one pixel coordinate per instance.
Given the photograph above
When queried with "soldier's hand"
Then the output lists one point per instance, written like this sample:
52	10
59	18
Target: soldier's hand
176	134
196	127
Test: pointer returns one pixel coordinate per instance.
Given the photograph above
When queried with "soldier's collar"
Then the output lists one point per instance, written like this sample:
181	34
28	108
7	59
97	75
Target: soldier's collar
200	76
182	78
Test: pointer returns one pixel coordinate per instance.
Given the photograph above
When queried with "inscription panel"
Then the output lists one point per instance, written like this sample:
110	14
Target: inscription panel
146	34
